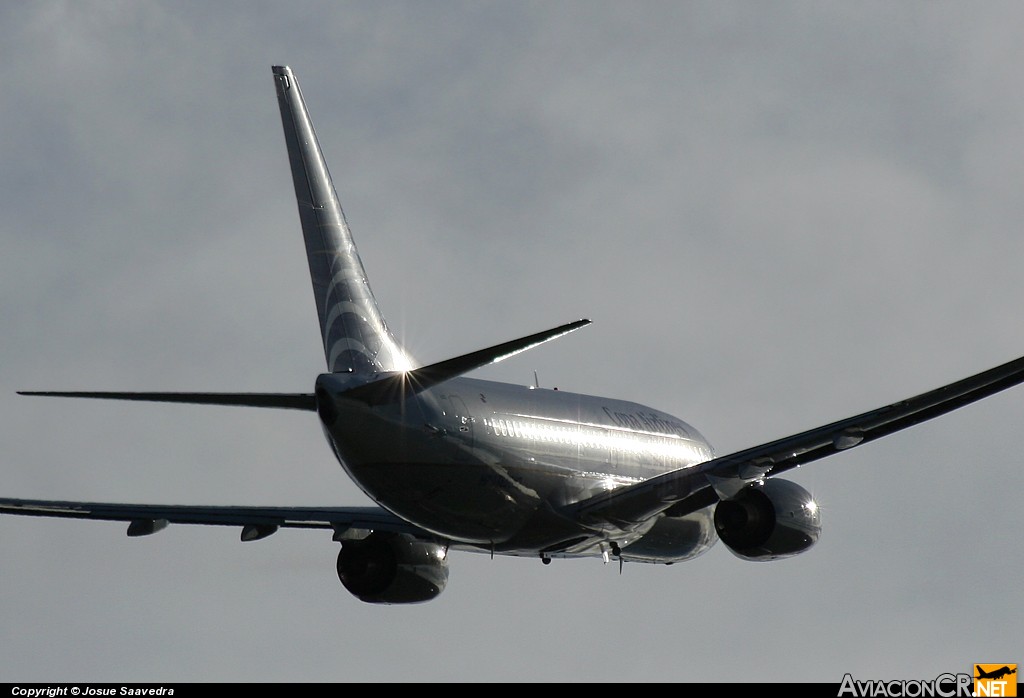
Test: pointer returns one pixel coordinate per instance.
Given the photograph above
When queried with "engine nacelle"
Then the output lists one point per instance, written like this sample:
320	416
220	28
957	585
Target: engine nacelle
770	521
393	568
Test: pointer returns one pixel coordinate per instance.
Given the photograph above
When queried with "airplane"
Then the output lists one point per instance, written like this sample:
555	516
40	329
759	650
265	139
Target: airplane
996	674
453	462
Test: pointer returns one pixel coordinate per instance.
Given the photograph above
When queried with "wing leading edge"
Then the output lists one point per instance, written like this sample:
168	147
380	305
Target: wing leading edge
684	491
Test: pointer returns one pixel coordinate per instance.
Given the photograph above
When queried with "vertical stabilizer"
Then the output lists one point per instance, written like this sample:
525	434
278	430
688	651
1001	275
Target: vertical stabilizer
356	340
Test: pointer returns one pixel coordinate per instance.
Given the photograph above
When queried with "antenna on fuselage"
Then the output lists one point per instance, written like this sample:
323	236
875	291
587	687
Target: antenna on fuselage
536	381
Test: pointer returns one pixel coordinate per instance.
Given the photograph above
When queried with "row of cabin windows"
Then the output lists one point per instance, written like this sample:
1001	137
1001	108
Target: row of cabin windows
593	438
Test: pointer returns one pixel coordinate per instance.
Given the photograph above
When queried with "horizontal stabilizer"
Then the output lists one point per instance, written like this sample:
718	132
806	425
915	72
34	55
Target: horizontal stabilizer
288	401
399	386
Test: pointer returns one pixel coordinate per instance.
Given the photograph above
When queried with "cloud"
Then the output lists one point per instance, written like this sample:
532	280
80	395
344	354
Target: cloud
777	215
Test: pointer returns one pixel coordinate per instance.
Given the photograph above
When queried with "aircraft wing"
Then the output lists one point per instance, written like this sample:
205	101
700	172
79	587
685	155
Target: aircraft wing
686	490
256	522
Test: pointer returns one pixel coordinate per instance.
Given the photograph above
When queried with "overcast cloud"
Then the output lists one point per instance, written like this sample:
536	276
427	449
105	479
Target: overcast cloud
778	214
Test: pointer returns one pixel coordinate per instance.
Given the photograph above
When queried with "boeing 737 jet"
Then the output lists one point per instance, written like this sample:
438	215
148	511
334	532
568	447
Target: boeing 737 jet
456	463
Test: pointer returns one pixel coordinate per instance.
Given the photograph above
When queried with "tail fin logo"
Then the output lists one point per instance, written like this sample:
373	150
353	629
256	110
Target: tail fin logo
355	336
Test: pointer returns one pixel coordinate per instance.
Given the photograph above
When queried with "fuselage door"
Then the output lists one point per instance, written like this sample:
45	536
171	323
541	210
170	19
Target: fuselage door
462	419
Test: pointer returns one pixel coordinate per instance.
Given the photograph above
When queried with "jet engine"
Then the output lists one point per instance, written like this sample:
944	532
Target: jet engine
768	521
392	568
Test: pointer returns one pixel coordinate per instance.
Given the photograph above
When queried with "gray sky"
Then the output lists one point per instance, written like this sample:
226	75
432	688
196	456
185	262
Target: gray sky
777	215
